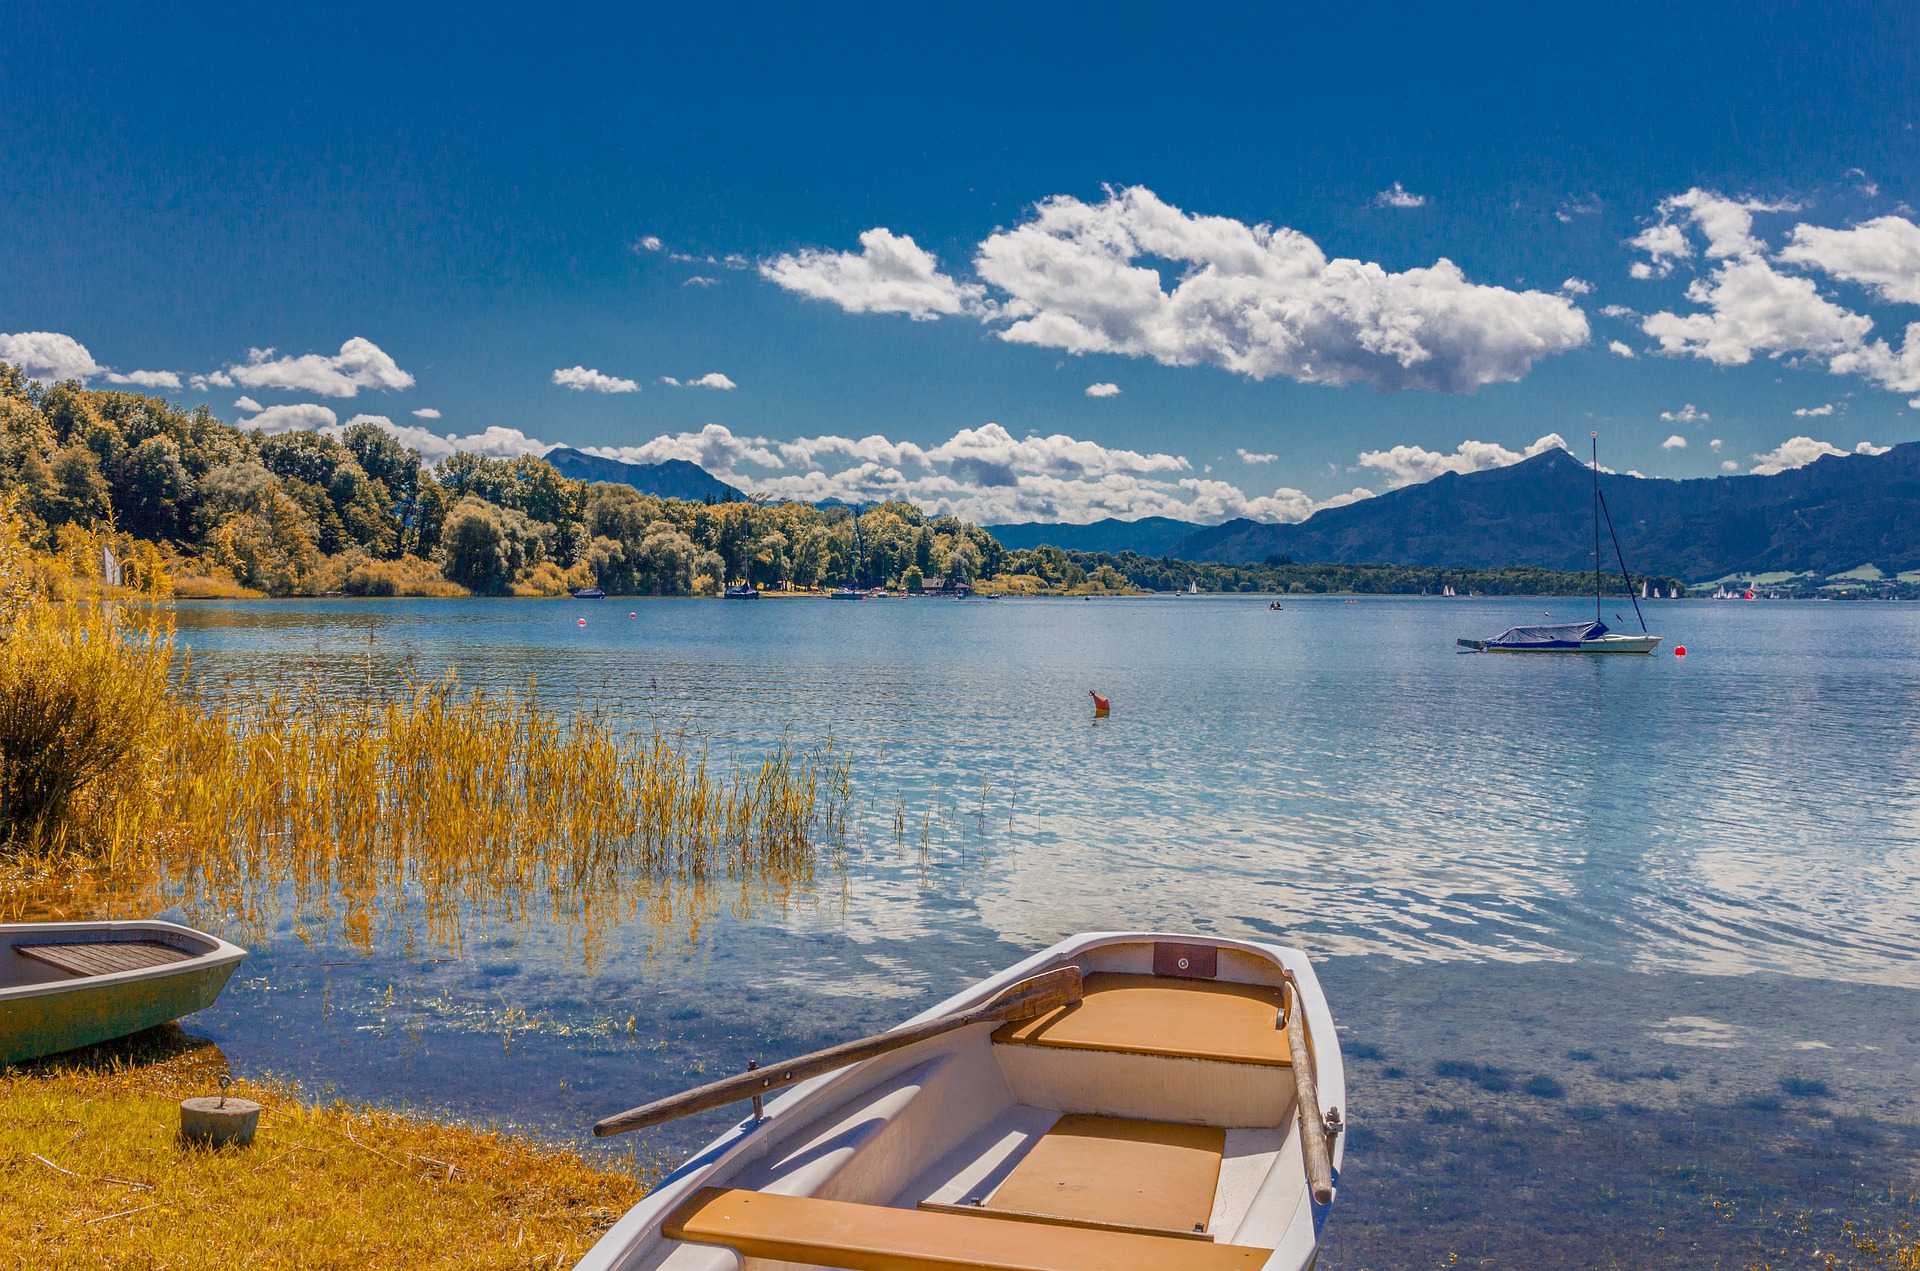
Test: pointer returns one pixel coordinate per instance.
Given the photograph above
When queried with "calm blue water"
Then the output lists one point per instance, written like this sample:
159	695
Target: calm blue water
1620	946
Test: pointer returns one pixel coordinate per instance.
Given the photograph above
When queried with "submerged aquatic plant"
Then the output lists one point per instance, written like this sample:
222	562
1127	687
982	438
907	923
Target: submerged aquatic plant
129	787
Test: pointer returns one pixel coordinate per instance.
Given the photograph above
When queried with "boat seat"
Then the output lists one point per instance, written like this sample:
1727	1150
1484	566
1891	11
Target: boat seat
104	957
833	1233
1156	1048
1114	1173
1157	1015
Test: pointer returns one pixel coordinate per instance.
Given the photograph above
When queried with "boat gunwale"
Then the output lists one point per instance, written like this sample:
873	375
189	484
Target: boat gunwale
748	1138
223	953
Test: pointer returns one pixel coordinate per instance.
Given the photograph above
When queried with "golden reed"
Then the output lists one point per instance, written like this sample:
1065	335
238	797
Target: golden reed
427	810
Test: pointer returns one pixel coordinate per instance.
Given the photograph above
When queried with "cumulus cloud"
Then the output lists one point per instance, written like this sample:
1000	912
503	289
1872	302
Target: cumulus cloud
1410	465
247	404
1255	456
1398	195
49	357
426	412
889	274
1748	306
1806	412
1728	465
1577	287
712	379
1868	448
582	379
1675	442
1882	255
701	280
146	379
303	417
714	448
1103	390
1618	349
648	243
1715	445
1258	300
1795	452
360	364
1687	414
1618	311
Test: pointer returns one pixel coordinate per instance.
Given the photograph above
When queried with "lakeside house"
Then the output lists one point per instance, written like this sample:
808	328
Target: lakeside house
940	586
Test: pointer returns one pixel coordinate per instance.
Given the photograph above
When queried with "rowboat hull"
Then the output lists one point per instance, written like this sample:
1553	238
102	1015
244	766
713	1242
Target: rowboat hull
47	1007
932	1141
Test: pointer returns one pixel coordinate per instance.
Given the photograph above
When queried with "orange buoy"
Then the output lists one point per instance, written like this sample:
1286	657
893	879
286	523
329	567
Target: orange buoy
1679	650
1100	704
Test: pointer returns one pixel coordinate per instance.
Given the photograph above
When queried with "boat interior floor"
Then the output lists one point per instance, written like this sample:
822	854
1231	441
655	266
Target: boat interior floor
104	957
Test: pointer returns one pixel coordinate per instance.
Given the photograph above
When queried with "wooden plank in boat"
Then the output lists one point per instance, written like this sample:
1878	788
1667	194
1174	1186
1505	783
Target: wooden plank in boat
833	1233
1152	1015
1118	1173
106	956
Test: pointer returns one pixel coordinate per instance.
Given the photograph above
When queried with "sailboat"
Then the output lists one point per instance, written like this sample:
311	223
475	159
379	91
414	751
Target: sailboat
1579	637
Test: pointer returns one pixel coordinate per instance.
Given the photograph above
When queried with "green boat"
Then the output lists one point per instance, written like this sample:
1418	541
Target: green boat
69	984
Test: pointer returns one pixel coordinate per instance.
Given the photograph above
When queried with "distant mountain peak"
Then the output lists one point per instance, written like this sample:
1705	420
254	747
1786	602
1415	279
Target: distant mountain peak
667	479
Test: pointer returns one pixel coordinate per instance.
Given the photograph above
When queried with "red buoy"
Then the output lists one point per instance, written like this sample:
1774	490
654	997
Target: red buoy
582	621
633	615
1679	650
1100	704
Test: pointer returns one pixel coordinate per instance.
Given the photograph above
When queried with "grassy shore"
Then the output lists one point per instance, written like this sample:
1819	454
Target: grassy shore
93	1174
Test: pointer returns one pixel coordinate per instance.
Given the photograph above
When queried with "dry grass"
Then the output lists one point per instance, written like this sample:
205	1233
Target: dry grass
129	789
92	1174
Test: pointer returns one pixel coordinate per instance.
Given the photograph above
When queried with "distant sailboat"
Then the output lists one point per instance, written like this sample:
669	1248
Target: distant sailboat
1579	637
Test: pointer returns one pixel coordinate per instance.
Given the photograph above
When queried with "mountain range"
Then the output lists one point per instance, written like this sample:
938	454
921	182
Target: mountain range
1148	536
668	479
1834	514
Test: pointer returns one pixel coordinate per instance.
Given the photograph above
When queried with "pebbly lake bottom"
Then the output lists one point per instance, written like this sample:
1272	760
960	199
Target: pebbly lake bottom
1545	1114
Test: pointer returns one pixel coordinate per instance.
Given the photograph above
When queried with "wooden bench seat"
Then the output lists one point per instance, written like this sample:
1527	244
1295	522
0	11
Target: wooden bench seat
1155	1015
831	1233
104	957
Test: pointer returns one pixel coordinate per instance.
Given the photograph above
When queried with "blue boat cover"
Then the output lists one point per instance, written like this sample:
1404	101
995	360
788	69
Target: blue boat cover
1559	635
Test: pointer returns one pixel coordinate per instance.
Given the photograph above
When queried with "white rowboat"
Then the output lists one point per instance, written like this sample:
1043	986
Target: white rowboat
69	984
1156	1125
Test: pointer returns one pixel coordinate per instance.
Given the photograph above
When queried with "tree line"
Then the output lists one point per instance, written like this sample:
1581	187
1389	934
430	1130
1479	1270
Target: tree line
307	513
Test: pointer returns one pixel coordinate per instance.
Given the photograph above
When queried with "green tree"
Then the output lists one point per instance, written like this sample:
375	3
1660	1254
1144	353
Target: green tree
483	547
79	494
151	490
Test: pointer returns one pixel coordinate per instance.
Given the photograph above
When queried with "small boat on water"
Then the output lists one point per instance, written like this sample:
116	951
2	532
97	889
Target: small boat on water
589	593
1579	637
846	593
70	984
741	591
1121	1101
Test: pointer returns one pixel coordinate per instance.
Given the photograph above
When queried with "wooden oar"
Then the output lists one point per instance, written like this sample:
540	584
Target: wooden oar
1313	1122
1035	996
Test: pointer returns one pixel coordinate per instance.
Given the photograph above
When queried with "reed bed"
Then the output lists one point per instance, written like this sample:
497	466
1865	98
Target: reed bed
128	786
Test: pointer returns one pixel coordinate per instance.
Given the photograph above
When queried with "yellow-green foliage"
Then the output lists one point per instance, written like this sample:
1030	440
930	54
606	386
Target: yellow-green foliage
93	1174
125	793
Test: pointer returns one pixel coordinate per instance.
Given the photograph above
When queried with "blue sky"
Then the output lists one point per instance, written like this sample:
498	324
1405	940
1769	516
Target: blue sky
441	210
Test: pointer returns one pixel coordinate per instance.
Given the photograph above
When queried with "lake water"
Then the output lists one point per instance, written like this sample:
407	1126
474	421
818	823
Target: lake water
1624	950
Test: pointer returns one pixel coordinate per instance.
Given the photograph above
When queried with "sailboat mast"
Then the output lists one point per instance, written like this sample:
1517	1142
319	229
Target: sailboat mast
1596	525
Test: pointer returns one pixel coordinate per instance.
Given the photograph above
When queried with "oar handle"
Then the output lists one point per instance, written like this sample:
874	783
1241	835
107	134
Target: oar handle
1313	1122
1035	996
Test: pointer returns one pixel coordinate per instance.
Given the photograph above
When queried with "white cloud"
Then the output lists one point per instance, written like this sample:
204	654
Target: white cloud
146	379
426	412
1687	414
1715	445
49	357
1258	300
1255	456
248	404
304	417
1410	465
889	274
712	379
1618	311
1675	442
1728	465
1807	412
1103	390
649	243
1795	452
1868	448
1867	185
581	380
701	280
1398	195
1882	255
714	448
360	364
1619	349
1577	287
1752	308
